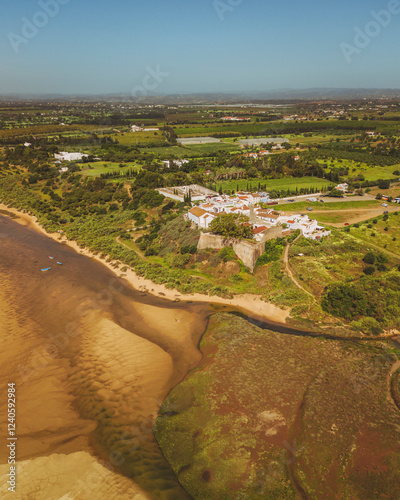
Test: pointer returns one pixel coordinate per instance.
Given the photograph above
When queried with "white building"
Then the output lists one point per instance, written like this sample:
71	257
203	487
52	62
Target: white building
65	156
177	163
343	187
234	119
259	232
179	193
200	217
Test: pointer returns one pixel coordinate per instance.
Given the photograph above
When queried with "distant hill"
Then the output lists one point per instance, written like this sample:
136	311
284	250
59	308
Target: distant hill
274	96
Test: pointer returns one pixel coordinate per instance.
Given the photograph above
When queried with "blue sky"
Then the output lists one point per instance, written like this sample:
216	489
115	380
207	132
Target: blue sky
107	46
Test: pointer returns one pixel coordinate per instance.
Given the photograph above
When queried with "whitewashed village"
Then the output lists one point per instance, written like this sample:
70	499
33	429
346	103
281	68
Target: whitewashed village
207	205
266	222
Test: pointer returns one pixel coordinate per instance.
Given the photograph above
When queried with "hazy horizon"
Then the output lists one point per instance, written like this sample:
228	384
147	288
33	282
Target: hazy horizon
220	91
218	46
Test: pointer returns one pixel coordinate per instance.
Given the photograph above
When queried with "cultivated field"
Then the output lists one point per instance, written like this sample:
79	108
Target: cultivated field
277	184
95	169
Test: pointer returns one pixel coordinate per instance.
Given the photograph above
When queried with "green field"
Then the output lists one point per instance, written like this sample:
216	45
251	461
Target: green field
276	184
371	173
337	218
316	138
330	127
194	151
135	138
340	205
102	167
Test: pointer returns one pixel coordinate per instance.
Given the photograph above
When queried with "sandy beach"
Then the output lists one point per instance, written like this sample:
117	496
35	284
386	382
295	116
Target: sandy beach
252	304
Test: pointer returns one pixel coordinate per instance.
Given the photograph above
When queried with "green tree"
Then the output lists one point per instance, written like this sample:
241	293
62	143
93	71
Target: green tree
232	226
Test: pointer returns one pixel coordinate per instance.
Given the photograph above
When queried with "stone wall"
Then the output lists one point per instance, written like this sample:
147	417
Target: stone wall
247	251
273	232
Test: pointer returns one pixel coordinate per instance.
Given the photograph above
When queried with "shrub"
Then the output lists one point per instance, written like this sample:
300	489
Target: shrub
227	253
375	297
188	249
345	301
273	251
180	261
293	236
369	270
383	184
368	325
369	258
382	258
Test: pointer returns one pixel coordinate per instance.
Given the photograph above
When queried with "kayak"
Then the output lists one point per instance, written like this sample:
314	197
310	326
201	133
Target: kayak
46	269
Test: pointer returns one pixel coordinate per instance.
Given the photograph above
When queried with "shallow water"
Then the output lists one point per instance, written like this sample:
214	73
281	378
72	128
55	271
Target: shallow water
92	358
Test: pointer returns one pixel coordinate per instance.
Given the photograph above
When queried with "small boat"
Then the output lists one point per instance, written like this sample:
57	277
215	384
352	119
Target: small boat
51	257
46	269
59	263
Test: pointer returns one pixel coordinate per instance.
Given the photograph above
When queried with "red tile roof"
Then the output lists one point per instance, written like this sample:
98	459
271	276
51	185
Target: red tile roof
259	229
